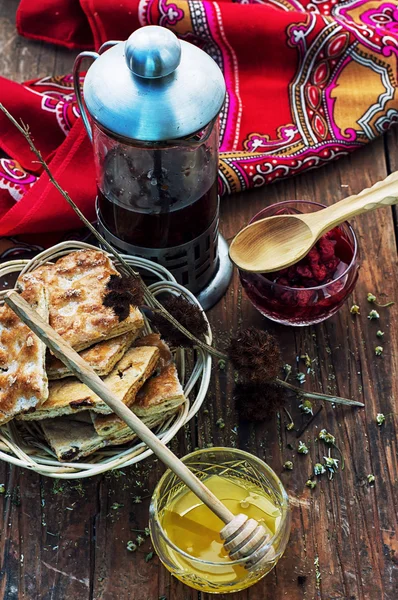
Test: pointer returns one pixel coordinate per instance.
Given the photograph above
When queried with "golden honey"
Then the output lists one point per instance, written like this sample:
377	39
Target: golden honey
195	530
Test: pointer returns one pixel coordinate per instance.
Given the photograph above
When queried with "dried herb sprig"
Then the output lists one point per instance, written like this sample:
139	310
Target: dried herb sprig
256	356
330	440
318	395
331	465
373	300
24	130
290	425
186	313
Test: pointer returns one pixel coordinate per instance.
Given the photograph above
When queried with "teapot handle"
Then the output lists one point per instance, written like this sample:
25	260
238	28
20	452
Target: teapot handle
78	90
76	81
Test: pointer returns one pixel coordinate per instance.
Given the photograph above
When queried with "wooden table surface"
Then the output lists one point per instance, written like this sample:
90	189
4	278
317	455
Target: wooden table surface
63	541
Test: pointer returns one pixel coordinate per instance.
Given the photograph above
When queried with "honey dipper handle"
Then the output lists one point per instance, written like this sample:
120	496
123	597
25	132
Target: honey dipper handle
86	374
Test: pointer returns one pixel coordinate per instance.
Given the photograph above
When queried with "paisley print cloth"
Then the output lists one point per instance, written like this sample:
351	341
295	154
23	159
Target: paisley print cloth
308	82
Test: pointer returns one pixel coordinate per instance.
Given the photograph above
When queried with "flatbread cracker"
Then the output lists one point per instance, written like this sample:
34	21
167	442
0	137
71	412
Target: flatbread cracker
23	379
69	396
159	397
77	284
102	357
72	438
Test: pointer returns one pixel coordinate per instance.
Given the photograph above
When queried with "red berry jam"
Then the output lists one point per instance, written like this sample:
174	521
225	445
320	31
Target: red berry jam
311	290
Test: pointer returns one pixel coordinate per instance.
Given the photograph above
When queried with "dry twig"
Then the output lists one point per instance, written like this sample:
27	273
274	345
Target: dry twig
24	130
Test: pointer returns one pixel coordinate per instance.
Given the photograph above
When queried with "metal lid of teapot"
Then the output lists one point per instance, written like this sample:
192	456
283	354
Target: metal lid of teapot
153	87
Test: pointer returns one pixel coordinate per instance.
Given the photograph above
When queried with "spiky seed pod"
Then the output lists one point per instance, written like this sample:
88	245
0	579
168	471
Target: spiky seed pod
256	356
185	312
128	284
123	293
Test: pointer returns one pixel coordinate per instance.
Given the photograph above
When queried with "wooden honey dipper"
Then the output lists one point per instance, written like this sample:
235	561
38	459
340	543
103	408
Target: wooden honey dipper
242	537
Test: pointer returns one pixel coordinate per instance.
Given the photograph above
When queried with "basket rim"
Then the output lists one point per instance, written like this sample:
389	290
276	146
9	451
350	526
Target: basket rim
135	451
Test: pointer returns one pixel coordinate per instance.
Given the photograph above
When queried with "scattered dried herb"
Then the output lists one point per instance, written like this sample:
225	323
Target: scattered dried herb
287	369
131	546
310	484
372	299
149	556
2	488
318	576
116	506
371	479
373	315
331	464
330	440
379	350
288	465
306	407
302	448
326	437
300	378
319	469
379	333
354	310
307	360
187	314
220	423
380	418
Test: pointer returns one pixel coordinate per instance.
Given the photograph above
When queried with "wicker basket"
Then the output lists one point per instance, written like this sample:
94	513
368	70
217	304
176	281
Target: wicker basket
23	444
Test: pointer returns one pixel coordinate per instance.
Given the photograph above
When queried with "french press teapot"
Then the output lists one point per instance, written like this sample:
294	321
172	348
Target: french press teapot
151	108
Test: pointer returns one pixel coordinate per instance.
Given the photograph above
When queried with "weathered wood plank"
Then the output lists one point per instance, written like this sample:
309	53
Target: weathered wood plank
344	521
350	526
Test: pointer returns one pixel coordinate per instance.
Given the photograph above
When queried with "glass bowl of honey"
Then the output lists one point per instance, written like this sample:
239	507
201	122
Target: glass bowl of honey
316	287
186	534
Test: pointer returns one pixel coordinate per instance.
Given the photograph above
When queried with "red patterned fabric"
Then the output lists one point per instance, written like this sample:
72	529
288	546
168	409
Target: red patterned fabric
308	82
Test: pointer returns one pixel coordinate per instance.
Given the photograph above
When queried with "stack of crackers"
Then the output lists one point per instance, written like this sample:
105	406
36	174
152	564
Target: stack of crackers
35	386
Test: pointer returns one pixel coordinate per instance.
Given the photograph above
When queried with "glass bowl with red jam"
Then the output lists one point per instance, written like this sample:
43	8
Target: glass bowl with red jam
313	289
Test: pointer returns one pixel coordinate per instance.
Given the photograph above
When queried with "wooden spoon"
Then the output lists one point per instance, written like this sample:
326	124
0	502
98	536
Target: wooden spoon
243	537
282	240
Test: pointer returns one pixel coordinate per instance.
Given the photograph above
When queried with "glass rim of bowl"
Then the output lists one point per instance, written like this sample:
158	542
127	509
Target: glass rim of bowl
284	508
315	287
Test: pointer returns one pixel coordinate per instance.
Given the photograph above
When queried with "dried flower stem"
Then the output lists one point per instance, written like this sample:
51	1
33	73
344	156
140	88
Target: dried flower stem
318	395
24	129
288	414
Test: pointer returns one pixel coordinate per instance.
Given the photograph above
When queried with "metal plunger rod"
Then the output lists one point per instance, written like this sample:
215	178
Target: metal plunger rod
87	375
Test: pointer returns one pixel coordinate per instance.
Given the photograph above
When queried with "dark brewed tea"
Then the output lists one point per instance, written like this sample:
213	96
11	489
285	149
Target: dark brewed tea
159	229
158	198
